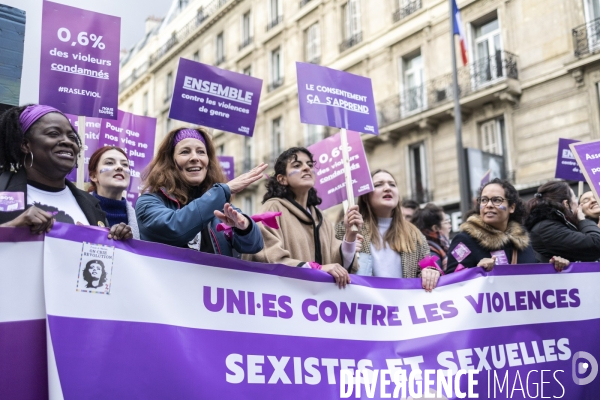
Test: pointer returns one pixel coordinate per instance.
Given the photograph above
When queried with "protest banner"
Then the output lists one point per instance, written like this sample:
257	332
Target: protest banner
587	155
215	97
227	166
566	164
92	142
23	367
160	322
330	180
79	64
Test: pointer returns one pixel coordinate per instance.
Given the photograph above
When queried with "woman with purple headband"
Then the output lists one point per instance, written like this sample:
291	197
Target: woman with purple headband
38	149
186	198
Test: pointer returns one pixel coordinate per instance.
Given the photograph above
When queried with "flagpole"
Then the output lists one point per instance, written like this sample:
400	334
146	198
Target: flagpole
460	152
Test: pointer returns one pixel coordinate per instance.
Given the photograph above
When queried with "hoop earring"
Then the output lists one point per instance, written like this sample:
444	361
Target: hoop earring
31	164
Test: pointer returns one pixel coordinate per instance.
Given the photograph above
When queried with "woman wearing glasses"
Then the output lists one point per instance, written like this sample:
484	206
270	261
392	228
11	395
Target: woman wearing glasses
494	236
558	224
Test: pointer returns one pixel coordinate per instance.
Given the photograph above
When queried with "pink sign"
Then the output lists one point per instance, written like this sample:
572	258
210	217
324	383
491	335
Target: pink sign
12	201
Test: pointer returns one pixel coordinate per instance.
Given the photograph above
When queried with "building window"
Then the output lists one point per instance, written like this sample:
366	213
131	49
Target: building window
220	46
196	56
488	52
418	172
247	70
275	13
313	134
246	30
168	123
413	94
276	68
492	136
406	8
312	40
169	87
248	205
248	162
351	33
276	138
145	104
221	149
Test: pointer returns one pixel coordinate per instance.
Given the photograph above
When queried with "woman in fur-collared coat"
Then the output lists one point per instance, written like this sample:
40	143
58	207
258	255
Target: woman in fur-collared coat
495	235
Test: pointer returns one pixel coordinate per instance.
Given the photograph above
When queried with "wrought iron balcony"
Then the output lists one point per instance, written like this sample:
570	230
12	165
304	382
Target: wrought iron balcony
274	22
351	41
407	8
246	42
586	38
471	78
275	84
220	60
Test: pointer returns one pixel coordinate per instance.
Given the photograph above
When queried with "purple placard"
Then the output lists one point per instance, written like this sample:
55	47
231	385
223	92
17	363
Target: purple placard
79	64
227	166
329	170
336	98
566	164
92	140
460	252
12	201
214	97
501	258
135	134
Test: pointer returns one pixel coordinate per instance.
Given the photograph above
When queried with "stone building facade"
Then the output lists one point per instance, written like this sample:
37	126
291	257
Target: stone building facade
532	77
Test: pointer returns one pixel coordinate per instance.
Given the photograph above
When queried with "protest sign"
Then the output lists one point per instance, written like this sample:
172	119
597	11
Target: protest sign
79	64
335	98
330	181
92	142
587	155
183	324
135	134
23	367
227	166
214	97
566	164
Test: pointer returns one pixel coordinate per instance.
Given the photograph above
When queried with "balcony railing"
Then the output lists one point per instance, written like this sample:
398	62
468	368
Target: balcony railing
274	22
275	84
406	9
351	41
471	78
304	2
246	42
586	38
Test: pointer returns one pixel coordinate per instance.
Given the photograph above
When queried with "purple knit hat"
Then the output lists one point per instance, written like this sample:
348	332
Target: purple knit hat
188	134
32	113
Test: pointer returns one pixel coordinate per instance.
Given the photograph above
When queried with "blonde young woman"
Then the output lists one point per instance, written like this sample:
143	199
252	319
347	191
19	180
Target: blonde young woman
391	247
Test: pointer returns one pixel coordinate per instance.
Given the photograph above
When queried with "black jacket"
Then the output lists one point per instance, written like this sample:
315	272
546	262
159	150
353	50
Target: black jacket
553	235
17	182
481	240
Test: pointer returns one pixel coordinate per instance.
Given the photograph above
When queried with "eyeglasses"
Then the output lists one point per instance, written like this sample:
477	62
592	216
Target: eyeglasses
496	200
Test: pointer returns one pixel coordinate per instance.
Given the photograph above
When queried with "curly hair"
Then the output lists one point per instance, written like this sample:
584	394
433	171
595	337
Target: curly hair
276	189
12	137
162	172
87	275
511	195
428	216
552	194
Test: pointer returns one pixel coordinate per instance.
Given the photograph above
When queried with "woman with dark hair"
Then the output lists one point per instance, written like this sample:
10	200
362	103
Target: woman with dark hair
38	149
305	238
109	176
392	247
431	222
494	235
558	226
94	274
186	198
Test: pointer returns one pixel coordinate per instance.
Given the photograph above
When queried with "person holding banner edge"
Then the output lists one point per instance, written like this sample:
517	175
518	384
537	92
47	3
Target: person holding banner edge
185	198
38	149
305	238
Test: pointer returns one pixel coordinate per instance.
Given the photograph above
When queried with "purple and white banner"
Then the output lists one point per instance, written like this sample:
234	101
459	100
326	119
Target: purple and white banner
227	166
566	164
79	64
215	97
329	170
143	320
336	98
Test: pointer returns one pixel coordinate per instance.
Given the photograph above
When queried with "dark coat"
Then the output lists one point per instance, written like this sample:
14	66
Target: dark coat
481	240
553	235
17	182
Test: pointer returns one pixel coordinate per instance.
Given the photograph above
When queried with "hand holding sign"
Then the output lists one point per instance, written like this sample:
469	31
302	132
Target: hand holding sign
353	218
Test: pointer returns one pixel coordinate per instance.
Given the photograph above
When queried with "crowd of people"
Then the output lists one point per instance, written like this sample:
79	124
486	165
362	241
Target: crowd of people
186	197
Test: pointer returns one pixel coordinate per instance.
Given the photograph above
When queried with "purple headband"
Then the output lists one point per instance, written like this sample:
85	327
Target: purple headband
188	134
32	113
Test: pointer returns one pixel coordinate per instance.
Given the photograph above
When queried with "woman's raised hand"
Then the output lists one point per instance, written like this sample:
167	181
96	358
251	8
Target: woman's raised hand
338	272
241	182
352	218
38	220
232	218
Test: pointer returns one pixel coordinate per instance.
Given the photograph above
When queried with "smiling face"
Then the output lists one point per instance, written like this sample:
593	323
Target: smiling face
495	215
299	173
191	158
384	198
53	143
589	205
113	171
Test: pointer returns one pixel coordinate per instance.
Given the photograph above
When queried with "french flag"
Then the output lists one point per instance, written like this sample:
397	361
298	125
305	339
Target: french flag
459	30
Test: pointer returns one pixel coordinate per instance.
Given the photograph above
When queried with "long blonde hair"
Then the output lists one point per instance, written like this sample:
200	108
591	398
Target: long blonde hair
402	236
